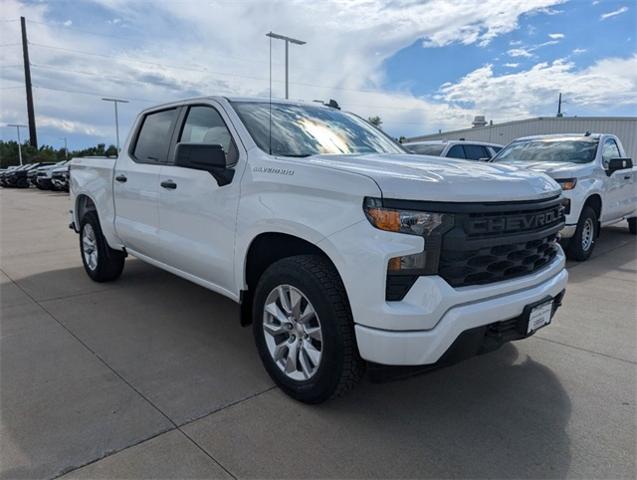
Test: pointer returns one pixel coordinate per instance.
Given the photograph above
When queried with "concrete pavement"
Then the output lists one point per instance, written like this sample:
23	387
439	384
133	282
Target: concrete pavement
152	377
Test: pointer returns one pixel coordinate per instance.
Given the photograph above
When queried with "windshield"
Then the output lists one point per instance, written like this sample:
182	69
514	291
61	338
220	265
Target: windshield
549	150
304	130
434	149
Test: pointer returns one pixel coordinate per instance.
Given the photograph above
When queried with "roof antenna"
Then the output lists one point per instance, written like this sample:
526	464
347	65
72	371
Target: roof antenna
270	132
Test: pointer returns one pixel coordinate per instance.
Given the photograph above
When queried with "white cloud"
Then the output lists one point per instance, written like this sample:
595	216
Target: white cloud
519	52
534	91
512	65
578	51
68	23
556	36
614	13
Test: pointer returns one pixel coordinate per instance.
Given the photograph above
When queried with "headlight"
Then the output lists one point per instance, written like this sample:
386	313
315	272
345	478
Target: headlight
401	221
567	183
429	225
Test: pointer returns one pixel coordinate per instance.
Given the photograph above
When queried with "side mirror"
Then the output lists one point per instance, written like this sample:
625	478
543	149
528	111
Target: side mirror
615	164
204	156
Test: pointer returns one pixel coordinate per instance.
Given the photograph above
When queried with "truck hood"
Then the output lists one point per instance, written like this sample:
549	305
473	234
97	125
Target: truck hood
554	169
420	177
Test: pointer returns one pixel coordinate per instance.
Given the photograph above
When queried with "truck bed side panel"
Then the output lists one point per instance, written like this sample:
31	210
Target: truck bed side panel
93	177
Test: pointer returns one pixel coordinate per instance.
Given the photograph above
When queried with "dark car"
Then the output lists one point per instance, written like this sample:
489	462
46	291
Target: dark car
18	178
6	171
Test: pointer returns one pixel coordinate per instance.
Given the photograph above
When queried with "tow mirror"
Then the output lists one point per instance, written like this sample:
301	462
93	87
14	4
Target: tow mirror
204	156
615	164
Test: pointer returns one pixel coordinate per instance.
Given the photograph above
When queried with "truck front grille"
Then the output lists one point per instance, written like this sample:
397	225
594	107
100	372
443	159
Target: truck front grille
493	264
495	242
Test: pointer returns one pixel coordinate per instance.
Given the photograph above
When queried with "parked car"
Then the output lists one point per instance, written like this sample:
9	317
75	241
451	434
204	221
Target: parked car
339	247
596	178
18	177
34	172
60	178
5	172
468	150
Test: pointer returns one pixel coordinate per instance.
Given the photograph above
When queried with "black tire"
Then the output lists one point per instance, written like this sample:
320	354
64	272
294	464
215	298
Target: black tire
109	263
632	225
578	249
340	366
22	183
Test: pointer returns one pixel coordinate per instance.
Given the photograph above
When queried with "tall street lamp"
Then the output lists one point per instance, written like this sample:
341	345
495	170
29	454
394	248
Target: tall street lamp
18	126
287	40
115	102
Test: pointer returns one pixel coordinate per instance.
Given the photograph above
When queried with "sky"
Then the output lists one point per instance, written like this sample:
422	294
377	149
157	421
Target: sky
419	65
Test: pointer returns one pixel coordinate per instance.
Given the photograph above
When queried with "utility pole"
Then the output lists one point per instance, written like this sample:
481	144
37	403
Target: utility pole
18	126
559	106
33	136
287	40
115	102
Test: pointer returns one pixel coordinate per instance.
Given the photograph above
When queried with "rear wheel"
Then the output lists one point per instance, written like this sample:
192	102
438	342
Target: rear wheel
632	225
101	262
304	331
581	246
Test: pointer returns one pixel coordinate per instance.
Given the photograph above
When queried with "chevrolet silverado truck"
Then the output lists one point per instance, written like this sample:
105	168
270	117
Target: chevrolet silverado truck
597	180
340	248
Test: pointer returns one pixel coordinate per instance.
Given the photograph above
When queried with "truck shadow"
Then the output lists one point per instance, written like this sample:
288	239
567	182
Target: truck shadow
498	415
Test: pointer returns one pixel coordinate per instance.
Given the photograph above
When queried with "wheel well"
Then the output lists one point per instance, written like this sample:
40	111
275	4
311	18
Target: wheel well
264	250
84	204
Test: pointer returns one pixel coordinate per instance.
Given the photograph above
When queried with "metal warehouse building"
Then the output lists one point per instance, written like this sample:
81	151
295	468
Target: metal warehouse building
624	127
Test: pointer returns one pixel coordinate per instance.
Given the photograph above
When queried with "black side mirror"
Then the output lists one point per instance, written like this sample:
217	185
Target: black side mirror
204	156
615	164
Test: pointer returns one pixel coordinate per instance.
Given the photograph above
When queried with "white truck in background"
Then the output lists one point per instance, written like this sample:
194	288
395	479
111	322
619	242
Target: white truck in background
597	179
340	247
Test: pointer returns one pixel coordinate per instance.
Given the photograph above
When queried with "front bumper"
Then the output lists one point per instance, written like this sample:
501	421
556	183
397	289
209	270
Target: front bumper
428	346
568	231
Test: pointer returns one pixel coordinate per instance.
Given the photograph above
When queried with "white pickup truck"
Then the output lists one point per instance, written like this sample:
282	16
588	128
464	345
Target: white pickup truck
340	247
597	179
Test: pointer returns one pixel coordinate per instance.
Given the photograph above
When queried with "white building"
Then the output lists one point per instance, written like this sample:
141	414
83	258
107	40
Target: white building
624	127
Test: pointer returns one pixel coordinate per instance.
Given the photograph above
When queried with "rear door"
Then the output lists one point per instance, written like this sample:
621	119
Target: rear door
197	217
136	183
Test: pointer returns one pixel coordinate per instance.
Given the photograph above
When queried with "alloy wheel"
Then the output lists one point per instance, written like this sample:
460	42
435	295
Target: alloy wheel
292	331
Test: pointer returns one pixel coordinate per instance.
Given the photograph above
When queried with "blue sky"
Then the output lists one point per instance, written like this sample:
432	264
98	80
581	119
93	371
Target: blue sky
420	65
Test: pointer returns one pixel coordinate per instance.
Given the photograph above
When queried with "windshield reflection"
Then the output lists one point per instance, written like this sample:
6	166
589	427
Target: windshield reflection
304	130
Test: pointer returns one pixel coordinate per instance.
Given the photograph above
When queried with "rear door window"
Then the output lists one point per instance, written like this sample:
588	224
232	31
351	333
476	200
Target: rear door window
154	137
456	152
475	152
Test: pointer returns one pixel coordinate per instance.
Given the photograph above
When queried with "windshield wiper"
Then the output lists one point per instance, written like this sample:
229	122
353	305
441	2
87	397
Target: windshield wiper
294	155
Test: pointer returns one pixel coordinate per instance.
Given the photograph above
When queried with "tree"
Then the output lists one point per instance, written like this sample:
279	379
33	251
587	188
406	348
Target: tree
376	121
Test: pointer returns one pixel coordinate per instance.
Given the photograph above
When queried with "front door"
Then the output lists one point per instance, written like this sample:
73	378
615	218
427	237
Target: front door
196	216
620	186
136	183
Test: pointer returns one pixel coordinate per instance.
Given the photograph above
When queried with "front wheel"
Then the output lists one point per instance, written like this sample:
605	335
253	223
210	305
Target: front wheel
581	246
304	331
101	262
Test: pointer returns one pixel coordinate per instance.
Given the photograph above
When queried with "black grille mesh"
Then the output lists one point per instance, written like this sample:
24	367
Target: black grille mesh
496	263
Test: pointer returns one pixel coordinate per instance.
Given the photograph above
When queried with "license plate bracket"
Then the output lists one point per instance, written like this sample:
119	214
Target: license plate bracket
537	315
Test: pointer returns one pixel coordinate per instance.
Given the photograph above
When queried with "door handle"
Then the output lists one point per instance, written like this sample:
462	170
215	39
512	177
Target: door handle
121	178
627	177
168	184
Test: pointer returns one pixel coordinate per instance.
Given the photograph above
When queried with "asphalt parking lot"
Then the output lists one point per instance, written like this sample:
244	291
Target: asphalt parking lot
152	377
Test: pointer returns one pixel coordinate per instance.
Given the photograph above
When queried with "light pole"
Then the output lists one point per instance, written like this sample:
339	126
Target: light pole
287	40
115	102
66	149
18	126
